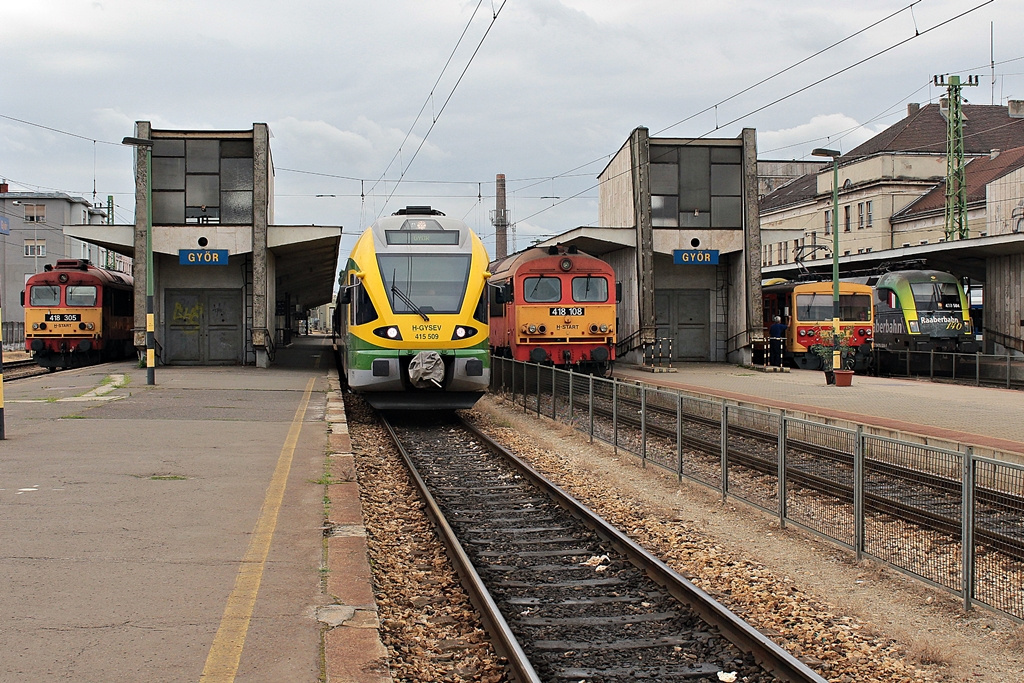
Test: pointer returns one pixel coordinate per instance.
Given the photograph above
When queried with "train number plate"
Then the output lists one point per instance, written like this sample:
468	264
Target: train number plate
567	310
62	317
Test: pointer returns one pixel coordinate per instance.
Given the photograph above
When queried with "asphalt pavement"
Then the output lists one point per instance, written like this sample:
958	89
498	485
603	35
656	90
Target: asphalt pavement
168	532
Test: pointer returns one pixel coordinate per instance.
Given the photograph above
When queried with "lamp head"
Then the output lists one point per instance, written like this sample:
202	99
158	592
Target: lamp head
822	152
137	142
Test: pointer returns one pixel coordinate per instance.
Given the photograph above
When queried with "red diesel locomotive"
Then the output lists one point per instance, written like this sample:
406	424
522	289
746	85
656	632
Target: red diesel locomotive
554	305
77	314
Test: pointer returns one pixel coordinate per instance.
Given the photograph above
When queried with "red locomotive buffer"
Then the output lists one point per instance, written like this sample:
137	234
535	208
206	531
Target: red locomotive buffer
77	314
554	305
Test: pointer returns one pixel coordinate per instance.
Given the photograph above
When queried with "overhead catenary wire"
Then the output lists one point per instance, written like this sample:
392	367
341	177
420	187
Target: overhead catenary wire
917	33
448	99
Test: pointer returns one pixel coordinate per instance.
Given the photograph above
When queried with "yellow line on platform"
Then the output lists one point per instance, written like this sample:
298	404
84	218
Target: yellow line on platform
226	651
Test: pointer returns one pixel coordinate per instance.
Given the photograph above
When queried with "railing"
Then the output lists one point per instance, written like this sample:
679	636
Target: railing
14	335
949	518
1009	341
658	353
632	342
977	368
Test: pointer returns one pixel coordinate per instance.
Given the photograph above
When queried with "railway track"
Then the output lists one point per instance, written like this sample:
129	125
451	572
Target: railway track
929	500
564	595
20	369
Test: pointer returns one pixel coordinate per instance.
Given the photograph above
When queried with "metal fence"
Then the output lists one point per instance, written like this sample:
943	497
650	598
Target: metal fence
13	335
977	368
949	518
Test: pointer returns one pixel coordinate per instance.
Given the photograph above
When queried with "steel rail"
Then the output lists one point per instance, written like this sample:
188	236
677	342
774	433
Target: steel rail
741	634
502	638
874	502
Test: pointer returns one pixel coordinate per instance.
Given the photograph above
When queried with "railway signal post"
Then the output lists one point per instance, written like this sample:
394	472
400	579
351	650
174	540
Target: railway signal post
820	152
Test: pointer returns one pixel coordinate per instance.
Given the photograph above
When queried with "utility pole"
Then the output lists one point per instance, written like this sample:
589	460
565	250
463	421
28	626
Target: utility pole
956	177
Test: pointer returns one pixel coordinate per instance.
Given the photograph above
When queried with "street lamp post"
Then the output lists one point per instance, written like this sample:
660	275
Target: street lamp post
820	152
150	323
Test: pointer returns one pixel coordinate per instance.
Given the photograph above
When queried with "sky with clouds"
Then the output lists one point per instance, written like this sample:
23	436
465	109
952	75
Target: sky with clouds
378	105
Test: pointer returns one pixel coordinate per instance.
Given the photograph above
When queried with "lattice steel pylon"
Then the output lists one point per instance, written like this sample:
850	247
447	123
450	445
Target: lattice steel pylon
956	176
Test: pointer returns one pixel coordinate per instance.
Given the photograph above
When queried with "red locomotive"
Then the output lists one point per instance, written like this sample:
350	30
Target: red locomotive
554	305
77	314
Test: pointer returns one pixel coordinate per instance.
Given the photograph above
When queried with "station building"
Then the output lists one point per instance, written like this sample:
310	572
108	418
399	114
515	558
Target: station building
892	209
228	284
31	236
678	222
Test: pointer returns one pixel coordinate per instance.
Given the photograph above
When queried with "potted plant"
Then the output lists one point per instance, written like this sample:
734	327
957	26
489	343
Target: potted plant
843	375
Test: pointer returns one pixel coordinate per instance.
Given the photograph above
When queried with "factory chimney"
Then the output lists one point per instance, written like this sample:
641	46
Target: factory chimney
500	219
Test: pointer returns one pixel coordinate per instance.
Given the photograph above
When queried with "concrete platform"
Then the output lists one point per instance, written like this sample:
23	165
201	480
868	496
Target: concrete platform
991	420
176	531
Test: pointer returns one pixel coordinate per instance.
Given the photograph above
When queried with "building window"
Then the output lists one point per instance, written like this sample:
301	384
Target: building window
202	180
867	206
828	221
847	214
860	215
35	248
35	213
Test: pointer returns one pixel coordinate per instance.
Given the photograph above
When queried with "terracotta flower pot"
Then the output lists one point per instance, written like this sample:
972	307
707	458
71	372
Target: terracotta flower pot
844	378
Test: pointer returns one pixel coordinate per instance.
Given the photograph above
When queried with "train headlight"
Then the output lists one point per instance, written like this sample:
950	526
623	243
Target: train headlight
802	333
390	332
92	326
42	326
593	328
565	264
463	332
542	328
862	332
915	328
35	326
532	329
605	329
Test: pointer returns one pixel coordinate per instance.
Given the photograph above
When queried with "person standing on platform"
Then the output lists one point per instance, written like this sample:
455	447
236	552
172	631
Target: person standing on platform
776	342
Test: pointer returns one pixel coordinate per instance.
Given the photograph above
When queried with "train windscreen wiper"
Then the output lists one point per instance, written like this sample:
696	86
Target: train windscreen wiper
409	302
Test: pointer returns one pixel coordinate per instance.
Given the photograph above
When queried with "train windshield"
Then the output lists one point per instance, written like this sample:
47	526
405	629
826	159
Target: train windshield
540	290
852	307
936	296
589	288
44	295
431	283
80	295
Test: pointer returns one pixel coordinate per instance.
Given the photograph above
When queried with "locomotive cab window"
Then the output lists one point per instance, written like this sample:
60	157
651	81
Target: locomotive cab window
539	290
428	283
855	307
81	295
932	296
589	288
887	299
44	295
362	310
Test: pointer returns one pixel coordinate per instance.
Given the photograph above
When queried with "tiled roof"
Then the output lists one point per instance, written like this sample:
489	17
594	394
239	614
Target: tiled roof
978	173
986	127
795	191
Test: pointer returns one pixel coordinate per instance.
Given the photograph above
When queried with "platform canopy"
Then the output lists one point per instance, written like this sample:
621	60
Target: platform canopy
963	258
305	256
306	262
